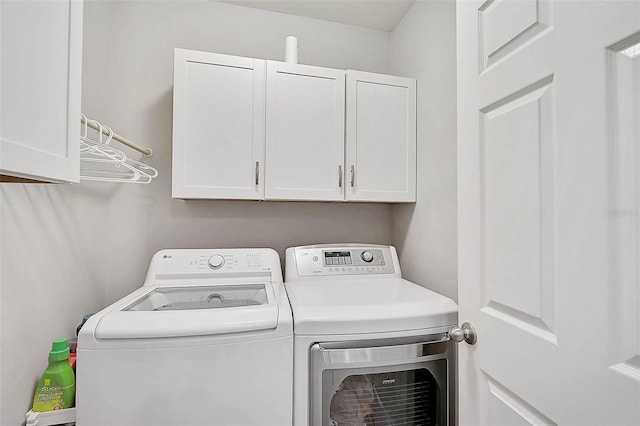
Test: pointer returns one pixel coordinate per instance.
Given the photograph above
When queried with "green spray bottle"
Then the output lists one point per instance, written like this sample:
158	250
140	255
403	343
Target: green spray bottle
57	387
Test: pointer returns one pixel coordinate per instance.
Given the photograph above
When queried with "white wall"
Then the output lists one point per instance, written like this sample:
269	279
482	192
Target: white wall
51	252
67	250
423	46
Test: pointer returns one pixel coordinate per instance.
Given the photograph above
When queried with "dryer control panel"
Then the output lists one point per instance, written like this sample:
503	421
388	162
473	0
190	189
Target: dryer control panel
325	260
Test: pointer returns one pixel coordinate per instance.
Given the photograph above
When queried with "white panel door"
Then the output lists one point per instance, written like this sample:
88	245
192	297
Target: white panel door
218	126
40	89
548	210
381	138
305	133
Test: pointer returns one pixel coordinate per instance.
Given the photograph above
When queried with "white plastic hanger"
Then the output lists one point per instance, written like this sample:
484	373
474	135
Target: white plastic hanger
114	165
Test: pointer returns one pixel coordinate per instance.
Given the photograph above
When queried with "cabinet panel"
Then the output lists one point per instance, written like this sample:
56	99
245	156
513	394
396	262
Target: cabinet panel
218	134
381	138
305	132
41	88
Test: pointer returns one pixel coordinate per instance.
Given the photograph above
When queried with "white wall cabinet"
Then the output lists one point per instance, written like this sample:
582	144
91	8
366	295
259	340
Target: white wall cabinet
381	138
41	89
218	126
305	132
253	129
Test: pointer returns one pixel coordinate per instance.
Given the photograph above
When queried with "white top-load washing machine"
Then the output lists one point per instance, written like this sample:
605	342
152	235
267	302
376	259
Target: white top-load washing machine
207	340
369	346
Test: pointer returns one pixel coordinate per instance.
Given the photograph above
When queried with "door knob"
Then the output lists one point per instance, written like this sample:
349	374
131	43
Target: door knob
465	332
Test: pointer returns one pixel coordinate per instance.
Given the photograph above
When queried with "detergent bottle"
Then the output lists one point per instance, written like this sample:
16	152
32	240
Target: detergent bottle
57	387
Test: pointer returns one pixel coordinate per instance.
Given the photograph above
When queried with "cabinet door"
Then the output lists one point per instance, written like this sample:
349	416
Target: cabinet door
218	126
381	138
305	132
40	86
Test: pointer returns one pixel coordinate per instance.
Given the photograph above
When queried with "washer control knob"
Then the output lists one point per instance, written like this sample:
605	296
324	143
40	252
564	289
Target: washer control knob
216	261
367	256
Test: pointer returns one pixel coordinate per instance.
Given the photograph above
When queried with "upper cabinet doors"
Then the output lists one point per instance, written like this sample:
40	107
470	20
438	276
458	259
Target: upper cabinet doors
252	129
381	138
218	126
305	132
41	89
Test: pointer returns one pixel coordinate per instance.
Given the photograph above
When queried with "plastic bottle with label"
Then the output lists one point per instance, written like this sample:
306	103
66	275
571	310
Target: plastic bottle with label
57	387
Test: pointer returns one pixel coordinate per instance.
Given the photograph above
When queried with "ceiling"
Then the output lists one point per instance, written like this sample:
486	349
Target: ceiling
377	14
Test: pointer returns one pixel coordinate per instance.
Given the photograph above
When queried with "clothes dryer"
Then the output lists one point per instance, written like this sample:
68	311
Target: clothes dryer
370	348
207	340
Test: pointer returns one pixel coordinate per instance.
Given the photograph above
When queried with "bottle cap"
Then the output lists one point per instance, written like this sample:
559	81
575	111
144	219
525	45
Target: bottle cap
59	350
84	319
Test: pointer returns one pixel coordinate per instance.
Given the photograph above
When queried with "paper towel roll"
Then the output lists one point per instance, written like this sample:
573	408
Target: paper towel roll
291	50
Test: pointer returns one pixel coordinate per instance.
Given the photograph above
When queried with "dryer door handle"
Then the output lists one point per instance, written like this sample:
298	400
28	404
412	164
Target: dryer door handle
339	353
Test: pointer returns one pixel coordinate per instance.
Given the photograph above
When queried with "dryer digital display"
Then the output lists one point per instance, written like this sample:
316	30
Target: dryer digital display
337	258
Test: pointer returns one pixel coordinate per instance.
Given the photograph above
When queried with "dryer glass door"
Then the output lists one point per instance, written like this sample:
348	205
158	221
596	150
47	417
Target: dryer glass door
407	397
383	383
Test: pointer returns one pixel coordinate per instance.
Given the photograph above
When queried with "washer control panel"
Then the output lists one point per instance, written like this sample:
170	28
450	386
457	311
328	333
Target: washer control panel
331	261
193	262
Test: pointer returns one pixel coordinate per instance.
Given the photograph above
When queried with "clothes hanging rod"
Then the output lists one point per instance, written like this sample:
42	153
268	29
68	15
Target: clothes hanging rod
148	152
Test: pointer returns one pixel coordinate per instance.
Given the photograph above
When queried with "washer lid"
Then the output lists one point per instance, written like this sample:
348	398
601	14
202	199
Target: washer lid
367	306
191	311
200	297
